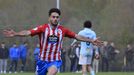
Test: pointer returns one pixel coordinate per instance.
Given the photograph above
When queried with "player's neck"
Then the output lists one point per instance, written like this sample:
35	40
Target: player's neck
53	26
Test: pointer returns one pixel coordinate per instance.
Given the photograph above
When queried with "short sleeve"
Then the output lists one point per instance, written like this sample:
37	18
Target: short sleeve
80	33
94	35
37	30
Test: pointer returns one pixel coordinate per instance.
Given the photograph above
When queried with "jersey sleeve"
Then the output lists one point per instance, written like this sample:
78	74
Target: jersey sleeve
94	35
69	33
37	30
80	33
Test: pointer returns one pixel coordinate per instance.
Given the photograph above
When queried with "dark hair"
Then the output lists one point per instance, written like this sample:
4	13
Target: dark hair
87	24
25	42
2	42
54	10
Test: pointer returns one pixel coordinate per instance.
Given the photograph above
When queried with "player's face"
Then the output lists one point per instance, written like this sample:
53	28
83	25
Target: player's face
14	45
2	45
54	18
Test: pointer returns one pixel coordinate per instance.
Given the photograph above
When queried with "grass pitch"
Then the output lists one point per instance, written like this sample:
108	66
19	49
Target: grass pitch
100	73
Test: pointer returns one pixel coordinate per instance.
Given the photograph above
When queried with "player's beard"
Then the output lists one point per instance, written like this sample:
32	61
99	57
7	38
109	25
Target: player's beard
54	23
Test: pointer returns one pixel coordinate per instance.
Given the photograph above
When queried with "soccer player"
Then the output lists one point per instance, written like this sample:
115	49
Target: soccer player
50	37
86	51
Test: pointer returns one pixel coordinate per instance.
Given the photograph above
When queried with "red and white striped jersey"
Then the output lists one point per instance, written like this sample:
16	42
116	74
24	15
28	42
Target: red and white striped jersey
51	51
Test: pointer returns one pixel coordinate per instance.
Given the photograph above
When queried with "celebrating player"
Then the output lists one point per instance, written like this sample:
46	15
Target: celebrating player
50	36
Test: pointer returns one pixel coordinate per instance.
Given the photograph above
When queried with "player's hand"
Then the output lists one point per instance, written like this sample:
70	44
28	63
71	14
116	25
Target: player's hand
97	42
9	32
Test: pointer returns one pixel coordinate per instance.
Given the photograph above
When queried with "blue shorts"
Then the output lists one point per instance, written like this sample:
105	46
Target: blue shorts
42	66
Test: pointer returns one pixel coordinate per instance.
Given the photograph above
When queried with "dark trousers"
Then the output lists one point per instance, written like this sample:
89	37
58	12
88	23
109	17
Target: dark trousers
77	66
105	64
72	68
23	60
129	65
13	64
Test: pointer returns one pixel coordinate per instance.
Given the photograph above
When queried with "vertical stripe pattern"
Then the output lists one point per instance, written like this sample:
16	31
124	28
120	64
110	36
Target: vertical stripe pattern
50	51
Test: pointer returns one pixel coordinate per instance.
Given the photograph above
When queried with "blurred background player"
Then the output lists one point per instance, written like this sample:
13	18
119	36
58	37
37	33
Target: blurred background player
86	51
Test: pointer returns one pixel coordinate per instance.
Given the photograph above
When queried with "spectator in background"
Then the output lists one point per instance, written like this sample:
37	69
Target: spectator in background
77	51
76	48
72	57
63	57
129	54
14	54
112	51
95	62
4	53
23	54
104	57
36	55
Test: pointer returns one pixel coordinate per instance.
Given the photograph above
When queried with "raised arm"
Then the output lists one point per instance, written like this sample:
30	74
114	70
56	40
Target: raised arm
96	42
12	33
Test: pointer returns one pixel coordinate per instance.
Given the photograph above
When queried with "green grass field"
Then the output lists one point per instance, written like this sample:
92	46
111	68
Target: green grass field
101	73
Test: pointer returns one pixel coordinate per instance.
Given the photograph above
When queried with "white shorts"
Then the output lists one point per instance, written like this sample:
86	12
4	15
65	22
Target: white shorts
84	60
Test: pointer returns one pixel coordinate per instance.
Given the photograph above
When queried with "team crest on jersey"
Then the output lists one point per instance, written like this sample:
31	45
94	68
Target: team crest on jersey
53	39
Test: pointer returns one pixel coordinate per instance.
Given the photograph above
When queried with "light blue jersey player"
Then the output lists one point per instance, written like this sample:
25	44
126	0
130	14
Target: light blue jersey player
87	47
86	51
